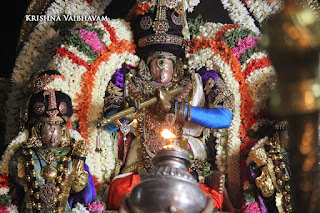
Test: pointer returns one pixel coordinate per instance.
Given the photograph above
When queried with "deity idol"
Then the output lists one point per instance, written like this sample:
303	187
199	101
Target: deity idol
49	168
205	102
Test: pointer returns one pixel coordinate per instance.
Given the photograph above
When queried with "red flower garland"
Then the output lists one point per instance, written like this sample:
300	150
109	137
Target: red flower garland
112	32
4	180
63	52
256	64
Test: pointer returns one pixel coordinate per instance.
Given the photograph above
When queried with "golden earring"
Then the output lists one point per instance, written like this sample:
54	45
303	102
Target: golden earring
65	137
35	139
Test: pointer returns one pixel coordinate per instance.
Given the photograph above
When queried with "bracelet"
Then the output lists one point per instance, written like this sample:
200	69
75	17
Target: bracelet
189	113
182	112
176	108
117	123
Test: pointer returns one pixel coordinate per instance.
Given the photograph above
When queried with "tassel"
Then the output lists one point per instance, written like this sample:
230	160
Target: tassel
98	141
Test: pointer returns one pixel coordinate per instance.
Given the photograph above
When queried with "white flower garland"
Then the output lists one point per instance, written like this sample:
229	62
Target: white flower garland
262	85
261	82
240	15
58	84
11	149
71	71
190	4
228	142
4	190
262	9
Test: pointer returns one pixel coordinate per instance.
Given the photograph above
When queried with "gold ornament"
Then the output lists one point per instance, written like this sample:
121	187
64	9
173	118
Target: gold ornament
49	172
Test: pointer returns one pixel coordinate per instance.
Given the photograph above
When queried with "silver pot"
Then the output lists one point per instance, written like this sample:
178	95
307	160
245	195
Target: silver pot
169	184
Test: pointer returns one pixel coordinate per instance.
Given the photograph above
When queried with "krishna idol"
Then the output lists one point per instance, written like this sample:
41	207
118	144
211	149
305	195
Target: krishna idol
204	101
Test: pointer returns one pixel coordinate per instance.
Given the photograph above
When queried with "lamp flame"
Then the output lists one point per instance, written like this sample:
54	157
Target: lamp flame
167	134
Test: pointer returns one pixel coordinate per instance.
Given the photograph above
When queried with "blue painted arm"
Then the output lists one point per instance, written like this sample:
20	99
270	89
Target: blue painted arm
215	118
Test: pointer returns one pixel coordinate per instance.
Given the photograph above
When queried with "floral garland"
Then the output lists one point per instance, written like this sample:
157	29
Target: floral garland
11	149
139	8
262	9
92	79
95	207
239	14
215	49
5	200
203	55
143	7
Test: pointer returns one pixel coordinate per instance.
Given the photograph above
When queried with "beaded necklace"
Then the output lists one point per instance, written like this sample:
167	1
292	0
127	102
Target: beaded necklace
49	192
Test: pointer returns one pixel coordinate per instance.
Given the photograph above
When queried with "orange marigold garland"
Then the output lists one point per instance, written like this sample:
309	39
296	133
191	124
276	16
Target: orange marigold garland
139	9
87	84
248	118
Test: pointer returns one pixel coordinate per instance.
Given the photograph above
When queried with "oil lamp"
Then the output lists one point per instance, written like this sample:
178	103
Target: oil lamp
169	184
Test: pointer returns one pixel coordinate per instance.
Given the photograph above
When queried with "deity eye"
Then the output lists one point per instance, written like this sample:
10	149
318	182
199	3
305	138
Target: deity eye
39	108
161	63
63	108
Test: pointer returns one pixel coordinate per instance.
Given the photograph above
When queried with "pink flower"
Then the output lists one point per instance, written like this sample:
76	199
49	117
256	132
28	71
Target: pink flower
244	44
4	209
95	206
91	38
251	208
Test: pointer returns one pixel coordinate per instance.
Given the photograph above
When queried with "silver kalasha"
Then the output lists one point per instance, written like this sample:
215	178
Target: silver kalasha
169	184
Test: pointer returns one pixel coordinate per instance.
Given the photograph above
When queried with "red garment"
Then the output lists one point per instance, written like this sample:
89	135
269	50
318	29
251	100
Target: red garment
122	185
217	198
119	186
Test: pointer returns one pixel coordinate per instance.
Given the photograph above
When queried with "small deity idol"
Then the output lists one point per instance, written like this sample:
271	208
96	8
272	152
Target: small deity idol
49	169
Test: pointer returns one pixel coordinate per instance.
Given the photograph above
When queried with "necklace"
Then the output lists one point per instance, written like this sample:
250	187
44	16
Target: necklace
46	197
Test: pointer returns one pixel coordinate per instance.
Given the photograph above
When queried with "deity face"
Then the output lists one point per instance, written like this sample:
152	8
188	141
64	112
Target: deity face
51	135
162	70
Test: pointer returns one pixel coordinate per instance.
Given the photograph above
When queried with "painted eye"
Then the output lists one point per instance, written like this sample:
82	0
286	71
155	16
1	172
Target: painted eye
63	108
161	63
39	108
